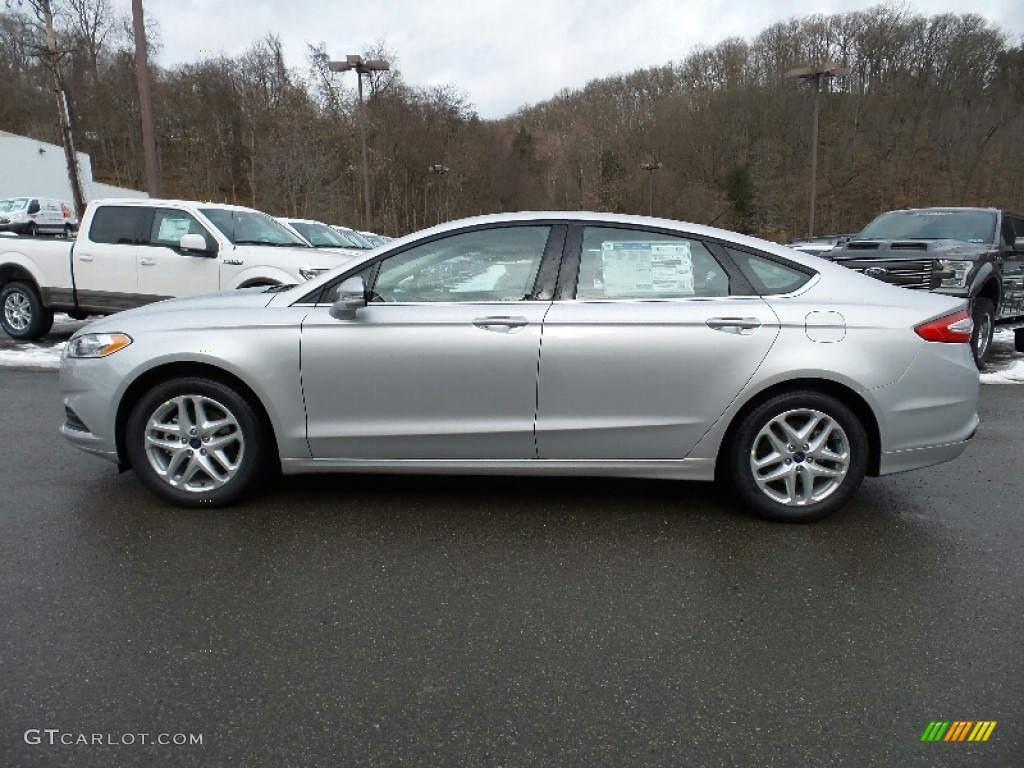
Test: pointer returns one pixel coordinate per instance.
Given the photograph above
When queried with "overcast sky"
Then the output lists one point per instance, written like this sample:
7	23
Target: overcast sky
502	53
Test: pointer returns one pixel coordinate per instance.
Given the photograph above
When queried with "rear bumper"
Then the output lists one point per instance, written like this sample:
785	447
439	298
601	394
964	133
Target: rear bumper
916	458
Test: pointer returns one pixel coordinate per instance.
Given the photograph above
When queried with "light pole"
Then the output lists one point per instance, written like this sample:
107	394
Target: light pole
354	61
438	169
650	168
814	75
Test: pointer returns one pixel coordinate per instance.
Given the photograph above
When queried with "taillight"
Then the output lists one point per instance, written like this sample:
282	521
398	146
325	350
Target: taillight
954	328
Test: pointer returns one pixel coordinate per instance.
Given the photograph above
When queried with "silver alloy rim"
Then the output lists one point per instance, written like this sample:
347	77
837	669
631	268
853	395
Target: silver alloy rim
17	311
800	457
194	443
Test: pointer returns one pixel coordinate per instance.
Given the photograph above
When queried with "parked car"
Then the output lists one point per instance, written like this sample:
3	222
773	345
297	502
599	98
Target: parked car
355	239
319	235
971	253
374	238
538	344
37	215
133	252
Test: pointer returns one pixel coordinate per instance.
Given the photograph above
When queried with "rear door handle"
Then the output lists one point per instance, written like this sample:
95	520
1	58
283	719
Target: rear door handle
85	257
501	324
739	325
147	262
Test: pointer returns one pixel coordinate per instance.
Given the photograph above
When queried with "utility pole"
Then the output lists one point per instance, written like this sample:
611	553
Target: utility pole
813	75
145	100
64	122
362	67
650	168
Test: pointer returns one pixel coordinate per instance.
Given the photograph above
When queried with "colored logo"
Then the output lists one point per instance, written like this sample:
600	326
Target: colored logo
958	730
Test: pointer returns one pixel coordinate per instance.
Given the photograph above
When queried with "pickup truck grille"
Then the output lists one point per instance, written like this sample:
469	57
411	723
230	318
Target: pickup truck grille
906	273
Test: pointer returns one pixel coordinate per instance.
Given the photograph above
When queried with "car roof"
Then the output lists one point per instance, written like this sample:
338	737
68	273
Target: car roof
168	201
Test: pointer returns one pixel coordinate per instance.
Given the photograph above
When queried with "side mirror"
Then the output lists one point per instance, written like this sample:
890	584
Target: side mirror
351	297
33	207
194	242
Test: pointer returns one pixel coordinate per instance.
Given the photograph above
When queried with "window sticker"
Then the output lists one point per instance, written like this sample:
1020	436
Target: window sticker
637	268
171	230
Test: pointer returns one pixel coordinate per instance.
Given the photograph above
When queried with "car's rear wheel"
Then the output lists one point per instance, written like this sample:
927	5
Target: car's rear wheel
22	314
196	442
798	457
32	230
984	315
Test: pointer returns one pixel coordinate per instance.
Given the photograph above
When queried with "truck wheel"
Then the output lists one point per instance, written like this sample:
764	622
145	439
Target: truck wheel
798	457
196	442
22	314
984	314
32	230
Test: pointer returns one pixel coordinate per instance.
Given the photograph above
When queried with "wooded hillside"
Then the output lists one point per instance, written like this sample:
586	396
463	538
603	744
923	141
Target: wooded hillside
932	113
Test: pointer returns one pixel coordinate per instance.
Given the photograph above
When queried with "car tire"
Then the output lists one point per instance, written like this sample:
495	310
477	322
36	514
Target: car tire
984	314
214	466
798	457
32	230
68	232
22	314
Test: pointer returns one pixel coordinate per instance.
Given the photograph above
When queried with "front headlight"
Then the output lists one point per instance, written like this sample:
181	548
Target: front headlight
959	269
308	273
97	344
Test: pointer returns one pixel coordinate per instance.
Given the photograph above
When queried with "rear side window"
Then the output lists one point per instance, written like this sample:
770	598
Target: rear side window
116	224
634	264
768	276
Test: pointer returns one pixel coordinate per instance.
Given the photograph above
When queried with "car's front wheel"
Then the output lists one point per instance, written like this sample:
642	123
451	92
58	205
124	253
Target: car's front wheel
196	442
798	457
22	314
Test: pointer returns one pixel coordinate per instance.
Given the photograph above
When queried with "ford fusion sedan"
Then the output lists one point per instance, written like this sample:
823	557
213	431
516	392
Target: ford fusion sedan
538	344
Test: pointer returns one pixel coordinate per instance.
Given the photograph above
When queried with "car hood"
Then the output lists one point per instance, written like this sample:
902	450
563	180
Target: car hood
202	306
908	249
318	258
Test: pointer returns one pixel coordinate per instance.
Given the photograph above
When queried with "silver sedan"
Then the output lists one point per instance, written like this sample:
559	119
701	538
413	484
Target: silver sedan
538	343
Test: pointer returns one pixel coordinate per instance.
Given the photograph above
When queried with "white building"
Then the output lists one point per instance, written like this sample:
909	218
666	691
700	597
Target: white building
31	168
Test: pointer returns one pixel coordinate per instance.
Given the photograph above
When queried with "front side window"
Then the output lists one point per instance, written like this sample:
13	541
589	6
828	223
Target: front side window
116	224
483	265
170	225
637	264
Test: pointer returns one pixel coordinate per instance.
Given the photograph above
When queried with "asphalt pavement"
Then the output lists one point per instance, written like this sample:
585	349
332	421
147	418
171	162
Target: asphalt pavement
403	621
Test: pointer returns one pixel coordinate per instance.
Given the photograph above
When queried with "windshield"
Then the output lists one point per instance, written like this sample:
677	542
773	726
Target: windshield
13	204
243	227
935	224
320	235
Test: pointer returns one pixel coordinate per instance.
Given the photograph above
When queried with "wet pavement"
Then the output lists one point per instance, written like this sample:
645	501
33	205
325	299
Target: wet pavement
383	621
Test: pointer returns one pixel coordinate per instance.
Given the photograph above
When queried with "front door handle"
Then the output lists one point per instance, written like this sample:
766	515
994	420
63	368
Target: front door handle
85	257
147	262
739	325
501	324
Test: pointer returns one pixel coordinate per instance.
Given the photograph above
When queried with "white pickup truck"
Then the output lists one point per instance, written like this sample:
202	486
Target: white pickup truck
133	252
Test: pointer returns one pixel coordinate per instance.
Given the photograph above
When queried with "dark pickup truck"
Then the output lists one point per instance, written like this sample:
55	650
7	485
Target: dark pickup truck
975	253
